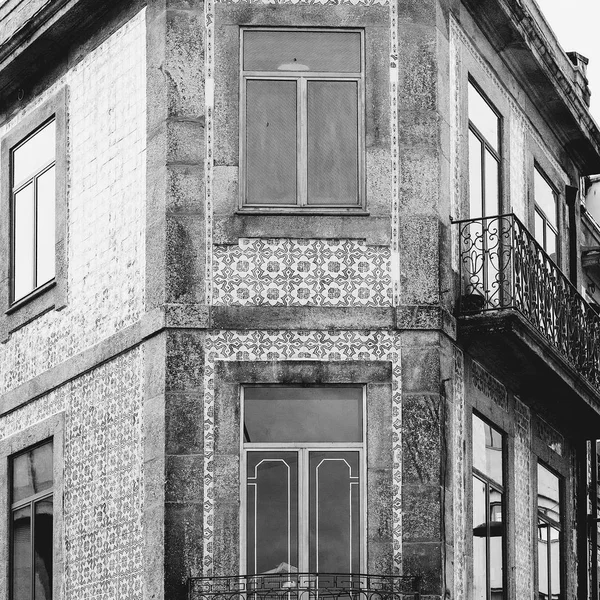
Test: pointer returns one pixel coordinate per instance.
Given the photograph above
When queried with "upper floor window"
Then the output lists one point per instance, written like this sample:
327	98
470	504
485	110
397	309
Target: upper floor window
545	225
302	123
31	523
33	211
484	155
549	529
488	511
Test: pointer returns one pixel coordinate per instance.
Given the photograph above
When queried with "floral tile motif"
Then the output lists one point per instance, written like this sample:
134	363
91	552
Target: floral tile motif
458	448
299	345
284	272
103	494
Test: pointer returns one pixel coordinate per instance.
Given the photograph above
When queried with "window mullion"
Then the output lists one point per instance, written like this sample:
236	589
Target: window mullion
302	142
303	512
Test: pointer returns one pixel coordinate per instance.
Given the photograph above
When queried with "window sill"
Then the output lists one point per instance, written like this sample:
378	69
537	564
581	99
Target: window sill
30	297
354	212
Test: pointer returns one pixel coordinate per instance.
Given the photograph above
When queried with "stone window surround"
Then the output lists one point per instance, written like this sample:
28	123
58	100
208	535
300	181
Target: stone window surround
52	294
230	376
232	223
51	428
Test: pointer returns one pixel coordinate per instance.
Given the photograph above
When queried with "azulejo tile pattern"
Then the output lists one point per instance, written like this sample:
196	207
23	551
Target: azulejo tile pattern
102	477
106	144
298	345
523	499
395	151
284	272
458	449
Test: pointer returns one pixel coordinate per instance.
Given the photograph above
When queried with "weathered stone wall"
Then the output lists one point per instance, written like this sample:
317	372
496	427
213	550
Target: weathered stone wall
106	142
103	487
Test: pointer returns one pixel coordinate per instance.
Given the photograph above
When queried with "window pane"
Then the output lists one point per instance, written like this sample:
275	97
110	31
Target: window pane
24	242
270	142
539	229
545	197
272	515
334	512
487	450
287	414
484	118
554	562
323	51
479	540
543	559
21	554
550	243
32	472
475	170
492	190
37	152
548	494
45	227
333	142
496	545
43	549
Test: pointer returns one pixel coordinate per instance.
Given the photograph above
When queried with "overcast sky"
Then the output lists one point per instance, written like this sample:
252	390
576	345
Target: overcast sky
576	24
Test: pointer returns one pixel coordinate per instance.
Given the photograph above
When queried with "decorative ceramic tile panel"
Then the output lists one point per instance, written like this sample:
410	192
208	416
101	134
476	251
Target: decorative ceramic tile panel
395	151
103	495
106	144
489	386
299	345
523	498
518	166
458	449
283	272
456	128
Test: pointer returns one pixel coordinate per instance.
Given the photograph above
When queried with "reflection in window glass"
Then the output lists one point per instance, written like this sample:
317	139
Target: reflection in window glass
545	225
488	511
549	514
311	414
33	207
484	156
32	523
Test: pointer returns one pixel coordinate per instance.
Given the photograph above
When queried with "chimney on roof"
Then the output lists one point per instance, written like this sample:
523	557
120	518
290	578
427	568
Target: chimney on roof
580	64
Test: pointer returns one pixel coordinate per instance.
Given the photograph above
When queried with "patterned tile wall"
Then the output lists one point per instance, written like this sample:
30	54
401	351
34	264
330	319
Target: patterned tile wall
283	272
523	500
458	449
105	204
299	345
103	493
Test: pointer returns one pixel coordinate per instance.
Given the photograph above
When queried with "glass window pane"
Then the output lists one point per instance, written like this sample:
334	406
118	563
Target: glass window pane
539	229
32	472
312	414
323	51
45	227
487	449
21	554
270	142
475	179
550	243
483	117
479	540
543	586
555	562
43	551
496	545
492	189
32	156
545	198
334	534
548	494
272	512
23	271
333	142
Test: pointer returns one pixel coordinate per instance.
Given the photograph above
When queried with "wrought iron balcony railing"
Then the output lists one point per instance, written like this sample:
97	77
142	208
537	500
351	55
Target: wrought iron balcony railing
502	266
305	586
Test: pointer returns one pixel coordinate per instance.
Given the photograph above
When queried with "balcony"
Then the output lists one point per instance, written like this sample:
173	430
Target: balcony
305	586
510	286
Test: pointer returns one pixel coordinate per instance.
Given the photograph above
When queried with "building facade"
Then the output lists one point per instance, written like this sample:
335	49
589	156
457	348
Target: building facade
297	299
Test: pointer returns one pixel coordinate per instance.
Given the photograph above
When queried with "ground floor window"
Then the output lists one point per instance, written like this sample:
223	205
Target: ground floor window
549	529
303	458
488	511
